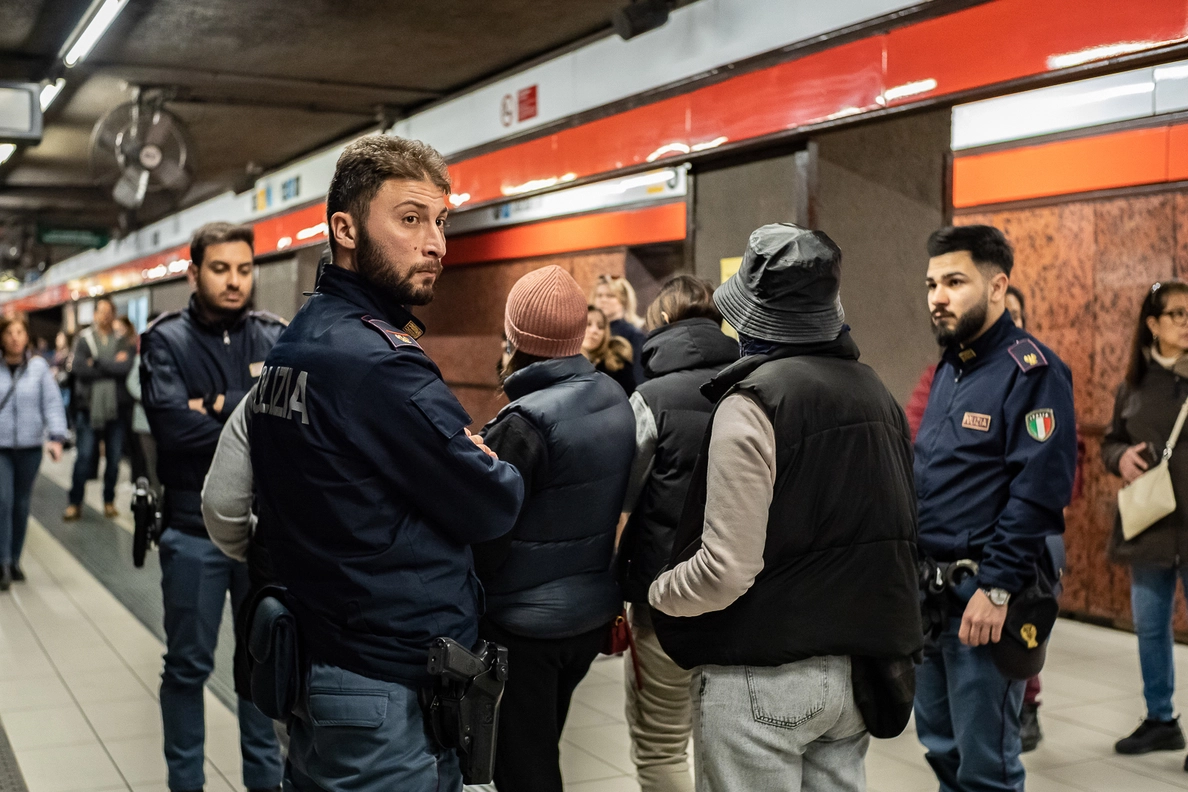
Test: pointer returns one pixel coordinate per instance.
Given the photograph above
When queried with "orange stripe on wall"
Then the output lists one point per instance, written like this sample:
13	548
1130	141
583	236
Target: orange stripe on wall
1104	162
664	223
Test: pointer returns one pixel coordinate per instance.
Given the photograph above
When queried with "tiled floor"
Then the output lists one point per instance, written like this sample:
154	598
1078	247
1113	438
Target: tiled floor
79	676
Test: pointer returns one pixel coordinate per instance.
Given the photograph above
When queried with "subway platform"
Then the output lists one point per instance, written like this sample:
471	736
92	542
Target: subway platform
80	660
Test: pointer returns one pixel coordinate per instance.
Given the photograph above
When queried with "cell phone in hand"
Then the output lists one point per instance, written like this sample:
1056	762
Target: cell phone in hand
1148	455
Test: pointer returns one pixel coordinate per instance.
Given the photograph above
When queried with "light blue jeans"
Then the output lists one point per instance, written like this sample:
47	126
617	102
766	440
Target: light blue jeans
781	729
1152	597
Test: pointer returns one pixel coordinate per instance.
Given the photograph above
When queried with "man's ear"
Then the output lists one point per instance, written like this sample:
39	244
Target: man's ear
343	230
999	284
192	275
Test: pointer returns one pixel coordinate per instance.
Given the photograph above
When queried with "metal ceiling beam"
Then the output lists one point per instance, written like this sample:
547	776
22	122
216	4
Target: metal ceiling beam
190	96
137	73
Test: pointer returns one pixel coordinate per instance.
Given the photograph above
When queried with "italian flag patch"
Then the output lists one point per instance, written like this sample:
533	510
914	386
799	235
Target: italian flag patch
1040	424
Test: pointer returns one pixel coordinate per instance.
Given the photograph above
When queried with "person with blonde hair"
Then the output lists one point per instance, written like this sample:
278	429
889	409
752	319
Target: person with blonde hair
615	297
610	354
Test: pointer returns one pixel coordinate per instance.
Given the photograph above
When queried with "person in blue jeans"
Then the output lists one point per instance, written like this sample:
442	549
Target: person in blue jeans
101	362
31	415
996	454
1145	411
196	366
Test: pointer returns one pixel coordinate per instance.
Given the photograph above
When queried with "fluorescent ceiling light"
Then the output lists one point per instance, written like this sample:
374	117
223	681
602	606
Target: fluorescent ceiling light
909	89
6	151
50	92
94	30
1105	52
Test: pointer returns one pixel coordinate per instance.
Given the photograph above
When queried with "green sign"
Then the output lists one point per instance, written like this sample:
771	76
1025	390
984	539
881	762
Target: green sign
75	237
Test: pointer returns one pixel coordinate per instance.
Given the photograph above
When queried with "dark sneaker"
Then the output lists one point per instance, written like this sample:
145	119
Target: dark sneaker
18	574
1029	728
5	577
1153	735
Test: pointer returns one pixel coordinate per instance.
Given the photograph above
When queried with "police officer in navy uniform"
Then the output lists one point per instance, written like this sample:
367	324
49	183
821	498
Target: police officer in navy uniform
369	487
196	366
995	458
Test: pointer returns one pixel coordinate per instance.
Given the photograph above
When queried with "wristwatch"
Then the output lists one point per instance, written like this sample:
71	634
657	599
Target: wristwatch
998	596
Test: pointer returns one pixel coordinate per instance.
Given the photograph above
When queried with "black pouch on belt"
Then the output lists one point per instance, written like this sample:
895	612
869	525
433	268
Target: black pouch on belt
884	691
274	655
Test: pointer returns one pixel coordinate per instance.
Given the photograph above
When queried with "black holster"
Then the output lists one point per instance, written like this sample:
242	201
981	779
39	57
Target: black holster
462	705
274	662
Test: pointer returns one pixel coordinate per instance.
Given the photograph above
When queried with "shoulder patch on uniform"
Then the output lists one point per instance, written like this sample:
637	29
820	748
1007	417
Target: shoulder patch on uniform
395	338
268	316
1027	355
165	317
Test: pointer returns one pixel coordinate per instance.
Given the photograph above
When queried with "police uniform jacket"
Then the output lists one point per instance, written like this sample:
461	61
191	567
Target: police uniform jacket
996	454
368	490
184	357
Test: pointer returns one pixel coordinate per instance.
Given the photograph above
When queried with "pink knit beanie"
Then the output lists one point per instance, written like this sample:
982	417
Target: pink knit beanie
546	314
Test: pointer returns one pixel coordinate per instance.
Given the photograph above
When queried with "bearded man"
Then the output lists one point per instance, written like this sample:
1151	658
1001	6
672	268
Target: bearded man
196	366
995	459
369	487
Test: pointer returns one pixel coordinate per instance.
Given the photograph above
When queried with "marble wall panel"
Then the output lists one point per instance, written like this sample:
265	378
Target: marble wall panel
1084	267
1180	211
1134	238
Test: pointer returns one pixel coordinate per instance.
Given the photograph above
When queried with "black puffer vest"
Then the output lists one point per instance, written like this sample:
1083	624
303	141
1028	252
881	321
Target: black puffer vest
679	358
556	581
839	563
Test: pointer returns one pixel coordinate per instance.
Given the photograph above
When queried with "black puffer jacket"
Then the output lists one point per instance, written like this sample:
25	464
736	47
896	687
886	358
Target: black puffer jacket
570	433
1147	414
679	359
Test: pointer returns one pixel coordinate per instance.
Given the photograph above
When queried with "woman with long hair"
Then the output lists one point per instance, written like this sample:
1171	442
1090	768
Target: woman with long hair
32	417
685	349
550	590
1145	410
615	297
610	354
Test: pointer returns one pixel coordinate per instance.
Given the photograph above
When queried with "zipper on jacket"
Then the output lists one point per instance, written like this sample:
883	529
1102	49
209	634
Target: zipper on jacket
226	338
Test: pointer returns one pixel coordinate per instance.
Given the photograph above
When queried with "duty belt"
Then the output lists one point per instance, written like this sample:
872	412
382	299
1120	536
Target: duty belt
937	581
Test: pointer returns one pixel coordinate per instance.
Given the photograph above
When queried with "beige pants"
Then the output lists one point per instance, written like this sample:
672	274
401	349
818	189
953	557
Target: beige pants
659	715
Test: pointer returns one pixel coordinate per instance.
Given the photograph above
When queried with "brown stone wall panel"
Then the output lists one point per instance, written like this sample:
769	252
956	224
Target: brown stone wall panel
1181	235
1134	240
1104	587
465	359
585	268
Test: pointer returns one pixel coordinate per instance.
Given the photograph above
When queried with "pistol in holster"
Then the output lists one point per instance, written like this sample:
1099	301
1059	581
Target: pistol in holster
462	705
147	517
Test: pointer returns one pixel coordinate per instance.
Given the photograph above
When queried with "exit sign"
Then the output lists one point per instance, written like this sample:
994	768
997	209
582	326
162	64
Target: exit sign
74	237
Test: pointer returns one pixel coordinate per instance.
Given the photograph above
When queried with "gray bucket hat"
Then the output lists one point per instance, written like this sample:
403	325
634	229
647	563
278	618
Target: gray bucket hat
787	287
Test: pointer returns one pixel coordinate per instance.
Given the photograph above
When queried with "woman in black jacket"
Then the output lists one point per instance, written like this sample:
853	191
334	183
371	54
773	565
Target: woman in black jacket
1145	410
685	349
551	594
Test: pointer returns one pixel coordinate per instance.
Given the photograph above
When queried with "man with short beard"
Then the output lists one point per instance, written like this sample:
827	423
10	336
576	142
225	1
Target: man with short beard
995	458
369	487
196	366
